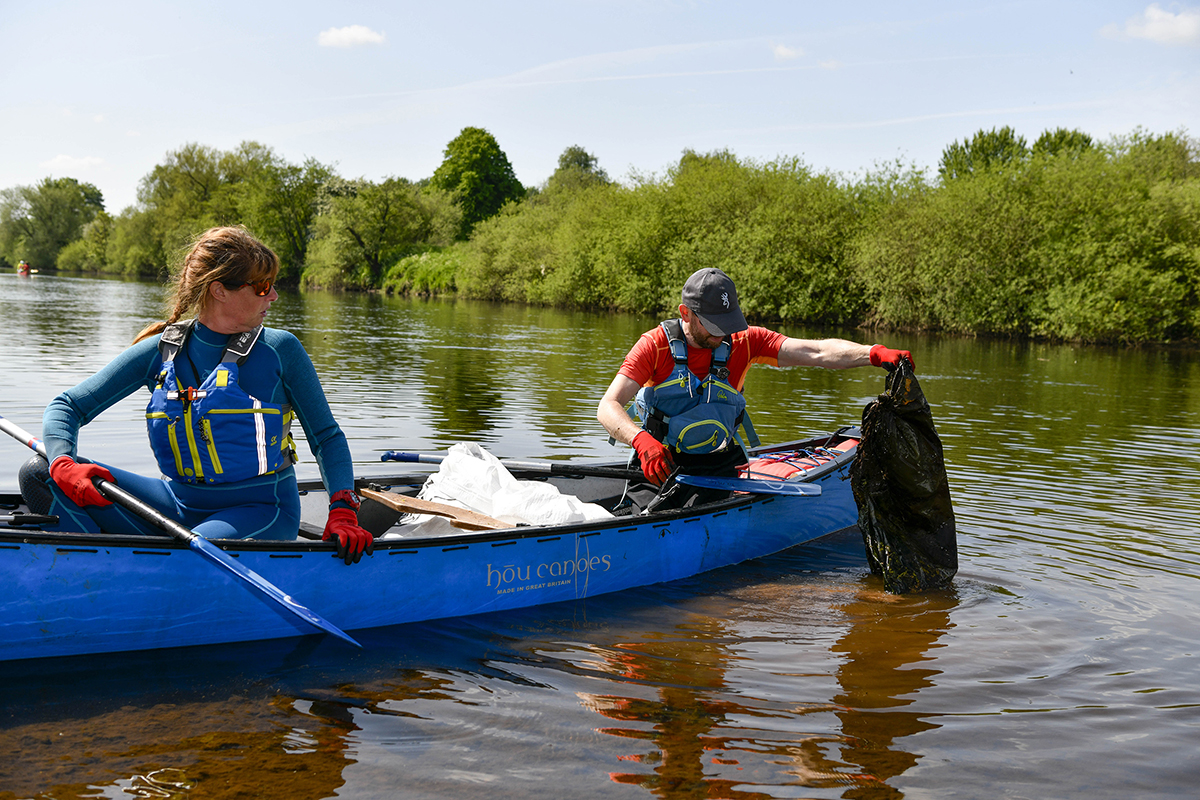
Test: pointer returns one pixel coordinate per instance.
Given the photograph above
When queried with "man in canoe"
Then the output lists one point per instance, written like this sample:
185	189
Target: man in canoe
223	393
686	376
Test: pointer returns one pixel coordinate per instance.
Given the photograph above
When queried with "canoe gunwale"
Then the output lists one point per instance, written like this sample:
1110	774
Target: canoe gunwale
32	535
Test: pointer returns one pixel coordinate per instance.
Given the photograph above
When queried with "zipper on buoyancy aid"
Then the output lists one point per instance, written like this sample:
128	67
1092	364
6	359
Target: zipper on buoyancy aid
191	440
713	440
207	435
173	437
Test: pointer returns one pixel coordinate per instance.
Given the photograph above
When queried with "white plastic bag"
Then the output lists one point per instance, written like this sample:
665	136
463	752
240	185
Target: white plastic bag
471	477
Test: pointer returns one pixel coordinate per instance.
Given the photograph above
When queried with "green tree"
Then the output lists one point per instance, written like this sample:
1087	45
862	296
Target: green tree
89	252
962	258
279	204
197	187
189	191
1169	157
1062	141
1103	245
14	215
479	176
36	222
181	188
779	230
363	228
134	245
577	169
985	150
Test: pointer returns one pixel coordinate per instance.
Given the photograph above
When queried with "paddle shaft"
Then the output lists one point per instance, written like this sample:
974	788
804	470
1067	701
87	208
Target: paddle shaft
550	468
28	519
544	467
198	544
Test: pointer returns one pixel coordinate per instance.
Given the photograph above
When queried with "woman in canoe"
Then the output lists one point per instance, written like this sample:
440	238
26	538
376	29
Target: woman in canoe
223	393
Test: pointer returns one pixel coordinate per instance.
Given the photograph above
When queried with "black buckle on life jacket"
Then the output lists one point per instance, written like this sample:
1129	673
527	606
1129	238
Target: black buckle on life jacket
656	424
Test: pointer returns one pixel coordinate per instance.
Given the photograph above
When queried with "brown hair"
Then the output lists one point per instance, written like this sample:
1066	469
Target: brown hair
230	255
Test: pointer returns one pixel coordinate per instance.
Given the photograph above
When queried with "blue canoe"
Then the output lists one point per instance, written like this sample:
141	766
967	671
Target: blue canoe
73	593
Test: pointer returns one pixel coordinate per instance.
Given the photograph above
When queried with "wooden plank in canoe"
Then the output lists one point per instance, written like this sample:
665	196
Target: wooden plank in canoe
459	517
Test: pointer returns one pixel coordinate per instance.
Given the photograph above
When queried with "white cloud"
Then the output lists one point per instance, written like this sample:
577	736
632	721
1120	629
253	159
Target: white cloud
1159	25
70	163
785	53
350	36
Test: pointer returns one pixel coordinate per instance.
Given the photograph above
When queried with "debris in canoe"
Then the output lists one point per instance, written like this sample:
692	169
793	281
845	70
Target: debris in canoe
900	487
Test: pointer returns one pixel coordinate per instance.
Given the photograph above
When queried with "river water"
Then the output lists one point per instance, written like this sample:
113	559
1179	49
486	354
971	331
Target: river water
1065	661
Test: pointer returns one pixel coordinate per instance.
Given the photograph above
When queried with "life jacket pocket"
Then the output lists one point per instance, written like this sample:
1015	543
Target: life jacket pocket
704	429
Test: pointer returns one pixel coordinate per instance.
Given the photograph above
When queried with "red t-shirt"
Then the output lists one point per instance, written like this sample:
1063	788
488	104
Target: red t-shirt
650	363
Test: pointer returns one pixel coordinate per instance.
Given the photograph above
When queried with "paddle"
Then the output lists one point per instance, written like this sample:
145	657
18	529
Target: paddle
18	519
198	544
750	486
544	467
704	481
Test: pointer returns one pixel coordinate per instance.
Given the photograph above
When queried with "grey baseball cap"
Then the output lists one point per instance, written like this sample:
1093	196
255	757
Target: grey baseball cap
711	294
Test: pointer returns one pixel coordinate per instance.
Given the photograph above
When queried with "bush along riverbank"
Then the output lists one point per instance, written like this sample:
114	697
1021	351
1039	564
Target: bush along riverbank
1095	243
1065	239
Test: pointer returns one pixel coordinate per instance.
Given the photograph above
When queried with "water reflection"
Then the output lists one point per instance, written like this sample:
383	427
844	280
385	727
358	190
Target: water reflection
887	637
254	720
276	747
461	394
697	735
683	716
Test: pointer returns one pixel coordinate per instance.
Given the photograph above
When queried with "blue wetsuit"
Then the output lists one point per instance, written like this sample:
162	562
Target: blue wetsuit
278	370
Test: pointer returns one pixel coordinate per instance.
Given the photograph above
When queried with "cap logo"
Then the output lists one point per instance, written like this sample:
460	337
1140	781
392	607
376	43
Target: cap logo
725	299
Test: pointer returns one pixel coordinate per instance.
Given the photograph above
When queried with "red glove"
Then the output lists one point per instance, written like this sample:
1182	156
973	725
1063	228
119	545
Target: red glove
656	459
76	481
881	355
352	540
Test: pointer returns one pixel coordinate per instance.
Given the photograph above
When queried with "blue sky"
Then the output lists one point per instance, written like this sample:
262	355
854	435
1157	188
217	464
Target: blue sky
102	91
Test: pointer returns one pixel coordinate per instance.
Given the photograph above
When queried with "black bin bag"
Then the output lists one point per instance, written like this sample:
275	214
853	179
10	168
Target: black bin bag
900	487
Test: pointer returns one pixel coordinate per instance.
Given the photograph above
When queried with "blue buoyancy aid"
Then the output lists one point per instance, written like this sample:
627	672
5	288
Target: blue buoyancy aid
217	433
694	415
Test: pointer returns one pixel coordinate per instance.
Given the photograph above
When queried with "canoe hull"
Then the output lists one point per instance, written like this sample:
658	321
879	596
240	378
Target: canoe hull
70	594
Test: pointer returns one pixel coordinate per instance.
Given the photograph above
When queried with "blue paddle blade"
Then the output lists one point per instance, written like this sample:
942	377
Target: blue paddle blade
750	486
265	588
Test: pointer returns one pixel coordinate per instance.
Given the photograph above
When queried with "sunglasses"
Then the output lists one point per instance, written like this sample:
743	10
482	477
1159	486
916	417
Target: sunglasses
260	288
